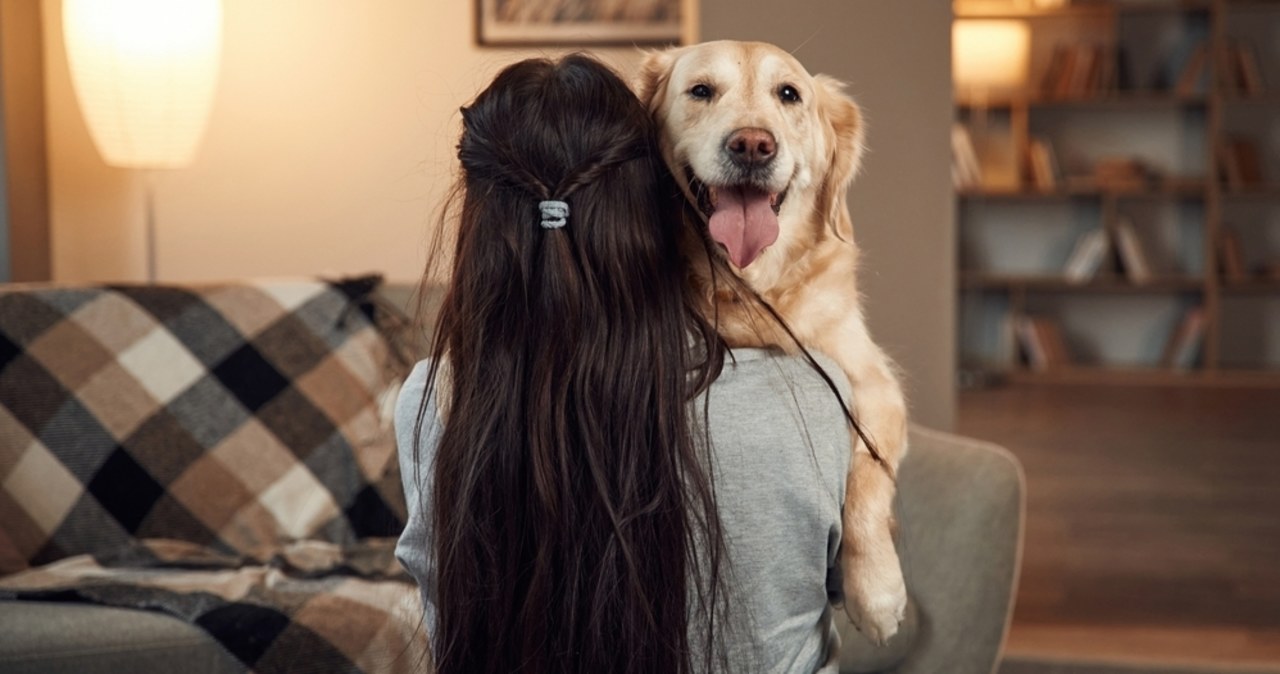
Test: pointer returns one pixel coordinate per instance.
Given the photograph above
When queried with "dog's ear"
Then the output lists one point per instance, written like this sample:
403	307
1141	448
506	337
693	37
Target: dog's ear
655	72
844	129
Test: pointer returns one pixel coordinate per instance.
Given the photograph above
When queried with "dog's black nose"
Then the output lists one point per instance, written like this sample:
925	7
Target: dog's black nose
751	147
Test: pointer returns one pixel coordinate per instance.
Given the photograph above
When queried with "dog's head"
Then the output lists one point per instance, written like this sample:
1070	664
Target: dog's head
754	141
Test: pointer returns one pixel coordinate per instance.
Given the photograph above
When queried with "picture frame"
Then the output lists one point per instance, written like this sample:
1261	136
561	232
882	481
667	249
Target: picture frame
582	22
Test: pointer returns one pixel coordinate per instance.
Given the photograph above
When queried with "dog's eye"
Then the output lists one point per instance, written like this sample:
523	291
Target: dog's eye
788	94
703	91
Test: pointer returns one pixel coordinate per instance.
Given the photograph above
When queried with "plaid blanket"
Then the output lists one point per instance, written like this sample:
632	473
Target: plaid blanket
311	607
238	416
222	453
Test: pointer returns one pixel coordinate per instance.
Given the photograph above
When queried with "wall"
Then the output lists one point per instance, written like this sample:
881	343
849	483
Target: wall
5	271
25	247
331	145
896	58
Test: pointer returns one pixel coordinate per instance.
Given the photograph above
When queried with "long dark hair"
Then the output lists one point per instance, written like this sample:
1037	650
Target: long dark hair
575	526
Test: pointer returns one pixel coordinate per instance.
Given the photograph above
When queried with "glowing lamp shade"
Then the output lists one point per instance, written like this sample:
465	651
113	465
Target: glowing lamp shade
989	56
144	72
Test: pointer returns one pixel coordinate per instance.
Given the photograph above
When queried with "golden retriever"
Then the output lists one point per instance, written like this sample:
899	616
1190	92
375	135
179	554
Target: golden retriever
766	152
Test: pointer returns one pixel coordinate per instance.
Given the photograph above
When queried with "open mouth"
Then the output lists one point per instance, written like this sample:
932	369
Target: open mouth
708	197
742	218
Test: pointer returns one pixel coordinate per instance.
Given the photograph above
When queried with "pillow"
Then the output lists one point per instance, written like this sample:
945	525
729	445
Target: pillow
239	416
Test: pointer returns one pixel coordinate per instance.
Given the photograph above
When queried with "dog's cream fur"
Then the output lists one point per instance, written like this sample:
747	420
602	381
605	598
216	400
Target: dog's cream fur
809	274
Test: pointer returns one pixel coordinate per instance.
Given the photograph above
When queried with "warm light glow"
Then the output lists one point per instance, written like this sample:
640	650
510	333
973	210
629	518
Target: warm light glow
989	56
144	72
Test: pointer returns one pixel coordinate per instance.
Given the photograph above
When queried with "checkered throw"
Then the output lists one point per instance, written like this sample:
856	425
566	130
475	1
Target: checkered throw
220	453
313	607
241	417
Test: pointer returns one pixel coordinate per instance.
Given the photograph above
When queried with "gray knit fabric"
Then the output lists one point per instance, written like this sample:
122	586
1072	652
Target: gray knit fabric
780	449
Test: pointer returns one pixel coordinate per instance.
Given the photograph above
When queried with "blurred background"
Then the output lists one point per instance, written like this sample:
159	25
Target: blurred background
1069	212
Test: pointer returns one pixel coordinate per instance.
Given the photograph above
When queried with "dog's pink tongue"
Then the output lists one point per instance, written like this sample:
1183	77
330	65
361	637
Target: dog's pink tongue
744	222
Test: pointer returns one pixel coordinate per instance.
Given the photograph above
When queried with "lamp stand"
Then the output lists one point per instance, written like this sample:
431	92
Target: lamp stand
980	104
149	186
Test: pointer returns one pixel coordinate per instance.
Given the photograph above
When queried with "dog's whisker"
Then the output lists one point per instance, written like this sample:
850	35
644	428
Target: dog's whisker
806	41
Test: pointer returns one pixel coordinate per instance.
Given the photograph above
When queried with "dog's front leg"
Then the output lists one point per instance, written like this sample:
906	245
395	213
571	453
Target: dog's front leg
875	592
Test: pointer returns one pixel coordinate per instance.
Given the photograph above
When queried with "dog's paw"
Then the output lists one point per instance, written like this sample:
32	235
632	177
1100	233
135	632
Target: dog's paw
875	594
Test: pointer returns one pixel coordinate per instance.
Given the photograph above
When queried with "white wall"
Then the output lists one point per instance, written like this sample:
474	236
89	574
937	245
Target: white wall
329	148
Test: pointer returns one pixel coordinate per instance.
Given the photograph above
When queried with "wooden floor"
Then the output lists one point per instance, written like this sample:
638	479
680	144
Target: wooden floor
1153	519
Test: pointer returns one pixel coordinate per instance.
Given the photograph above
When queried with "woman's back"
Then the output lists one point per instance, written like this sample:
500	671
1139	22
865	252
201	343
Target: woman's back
780	449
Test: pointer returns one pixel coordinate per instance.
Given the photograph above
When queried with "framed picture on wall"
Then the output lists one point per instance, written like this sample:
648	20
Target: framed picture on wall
574	22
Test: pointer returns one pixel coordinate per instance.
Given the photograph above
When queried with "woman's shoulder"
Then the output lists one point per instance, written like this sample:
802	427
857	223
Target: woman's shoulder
769	370
412	404
409	399
418	374
766	402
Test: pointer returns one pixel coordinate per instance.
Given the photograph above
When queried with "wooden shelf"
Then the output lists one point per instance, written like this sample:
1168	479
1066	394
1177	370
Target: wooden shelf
1118	100
1016	195
1094	9
1256	192
1111	9
1251	287
1251	5
1034	133
1174	188
1243	100
1101	285
1131	375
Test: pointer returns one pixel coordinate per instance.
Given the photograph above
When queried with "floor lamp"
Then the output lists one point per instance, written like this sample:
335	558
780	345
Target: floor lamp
144	72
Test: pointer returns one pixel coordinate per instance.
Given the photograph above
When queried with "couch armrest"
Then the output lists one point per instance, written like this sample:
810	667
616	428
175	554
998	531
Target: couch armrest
960	513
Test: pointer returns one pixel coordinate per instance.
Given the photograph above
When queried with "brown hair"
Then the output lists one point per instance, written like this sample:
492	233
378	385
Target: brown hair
575	526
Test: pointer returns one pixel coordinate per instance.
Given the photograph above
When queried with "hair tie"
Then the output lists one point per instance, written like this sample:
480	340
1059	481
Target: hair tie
554	214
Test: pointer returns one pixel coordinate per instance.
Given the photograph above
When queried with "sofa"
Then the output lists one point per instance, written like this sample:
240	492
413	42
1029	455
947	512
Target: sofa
202	478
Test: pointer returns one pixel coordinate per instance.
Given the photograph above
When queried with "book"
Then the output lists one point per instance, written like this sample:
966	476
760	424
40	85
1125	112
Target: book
1043	165
1183	347
1248	72
1085	260
1055	344
1076	70
1054	72
1085	72
1225	71
1042	343
1066	75
1032	347
1239	163
1108	70
1231	256
1238	70
1270	270
1057	63
1245	155
1194	77
1132	258
966	171
1123	79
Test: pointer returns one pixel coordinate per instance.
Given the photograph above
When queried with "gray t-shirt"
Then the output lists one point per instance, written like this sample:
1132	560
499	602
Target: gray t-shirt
780	449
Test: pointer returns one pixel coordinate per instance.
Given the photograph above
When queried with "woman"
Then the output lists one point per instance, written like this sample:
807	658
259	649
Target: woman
605	493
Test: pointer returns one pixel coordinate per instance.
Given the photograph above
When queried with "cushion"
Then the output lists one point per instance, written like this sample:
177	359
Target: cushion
52	637
238	416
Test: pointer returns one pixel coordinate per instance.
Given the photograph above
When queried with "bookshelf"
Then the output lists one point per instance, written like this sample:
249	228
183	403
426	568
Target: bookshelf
1160	117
